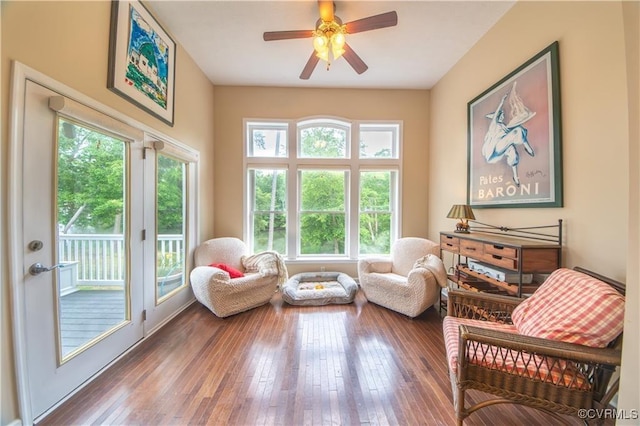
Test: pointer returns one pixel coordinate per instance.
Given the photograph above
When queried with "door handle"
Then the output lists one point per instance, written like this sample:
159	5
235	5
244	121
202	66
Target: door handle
38	268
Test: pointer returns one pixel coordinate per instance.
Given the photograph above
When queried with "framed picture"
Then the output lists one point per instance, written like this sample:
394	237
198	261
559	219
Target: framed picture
514	138
141	60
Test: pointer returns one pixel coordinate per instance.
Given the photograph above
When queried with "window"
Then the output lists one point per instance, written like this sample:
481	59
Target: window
377	189
323	139
269	213
322	188
171	225
174	175
323	212
267	140
92	207
379	141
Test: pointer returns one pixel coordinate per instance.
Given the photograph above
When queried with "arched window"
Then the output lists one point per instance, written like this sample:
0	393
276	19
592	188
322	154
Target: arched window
322	188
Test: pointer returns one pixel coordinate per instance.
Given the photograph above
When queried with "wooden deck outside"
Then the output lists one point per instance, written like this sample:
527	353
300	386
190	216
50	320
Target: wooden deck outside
86	314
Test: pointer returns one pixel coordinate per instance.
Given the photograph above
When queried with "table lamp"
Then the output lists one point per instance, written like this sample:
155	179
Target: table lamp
464	213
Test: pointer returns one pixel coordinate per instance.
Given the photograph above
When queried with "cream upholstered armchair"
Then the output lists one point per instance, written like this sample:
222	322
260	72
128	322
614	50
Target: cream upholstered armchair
238	282
409	282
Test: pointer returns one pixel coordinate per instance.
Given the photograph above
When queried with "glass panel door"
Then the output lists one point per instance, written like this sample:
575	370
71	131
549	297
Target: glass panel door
171	205
92	279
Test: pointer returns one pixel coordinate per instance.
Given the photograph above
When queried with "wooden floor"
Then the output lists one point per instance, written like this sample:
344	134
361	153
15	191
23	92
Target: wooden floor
284	365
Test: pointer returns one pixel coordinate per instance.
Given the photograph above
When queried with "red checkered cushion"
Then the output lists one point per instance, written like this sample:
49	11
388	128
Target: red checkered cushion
450	327
572	307
544	369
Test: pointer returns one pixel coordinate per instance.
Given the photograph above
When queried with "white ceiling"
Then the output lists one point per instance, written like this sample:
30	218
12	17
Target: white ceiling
224	38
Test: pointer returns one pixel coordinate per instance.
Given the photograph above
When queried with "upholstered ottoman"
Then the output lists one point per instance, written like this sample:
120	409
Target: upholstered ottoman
319	288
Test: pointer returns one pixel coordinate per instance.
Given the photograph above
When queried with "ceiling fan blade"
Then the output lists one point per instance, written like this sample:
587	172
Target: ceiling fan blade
310	66
383	20
354	60
326	9
286	35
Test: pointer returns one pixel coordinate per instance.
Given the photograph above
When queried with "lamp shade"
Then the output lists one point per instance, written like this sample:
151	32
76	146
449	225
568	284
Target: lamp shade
320	43
461	211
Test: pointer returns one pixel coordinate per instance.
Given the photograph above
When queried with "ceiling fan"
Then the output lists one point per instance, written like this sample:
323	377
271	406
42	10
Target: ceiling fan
329	37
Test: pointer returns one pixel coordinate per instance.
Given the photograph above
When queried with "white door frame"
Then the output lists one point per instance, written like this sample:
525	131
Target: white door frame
20	73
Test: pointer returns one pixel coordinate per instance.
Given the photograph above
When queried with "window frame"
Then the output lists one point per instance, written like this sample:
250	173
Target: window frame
347	183
393	127
293	163
264	124
394	184
186	222
341	125
250	194
155	145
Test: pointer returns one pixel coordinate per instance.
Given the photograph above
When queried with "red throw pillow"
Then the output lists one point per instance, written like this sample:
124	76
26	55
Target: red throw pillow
233	272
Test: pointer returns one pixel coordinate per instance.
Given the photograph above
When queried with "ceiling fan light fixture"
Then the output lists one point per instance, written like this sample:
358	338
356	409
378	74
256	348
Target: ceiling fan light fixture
338	40
329	37
320	42
337	51
323	54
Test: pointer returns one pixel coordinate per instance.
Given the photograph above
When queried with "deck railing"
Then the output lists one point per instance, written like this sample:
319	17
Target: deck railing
101	258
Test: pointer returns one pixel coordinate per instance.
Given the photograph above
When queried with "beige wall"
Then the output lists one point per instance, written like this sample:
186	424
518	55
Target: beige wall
233	104
595	130
596	123
69	42
629	389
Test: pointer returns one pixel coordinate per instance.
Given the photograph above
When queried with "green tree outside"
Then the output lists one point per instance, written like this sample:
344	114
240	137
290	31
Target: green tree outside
91	180
170	186
91	191
270	211
322	215
375	208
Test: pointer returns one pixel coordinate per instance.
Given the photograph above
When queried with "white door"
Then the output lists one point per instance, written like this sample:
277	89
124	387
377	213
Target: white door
169	172
81	216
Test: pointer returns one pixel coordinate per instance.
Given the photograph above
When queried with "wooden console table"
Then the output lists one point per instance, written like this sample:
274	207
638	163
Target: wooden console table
519	251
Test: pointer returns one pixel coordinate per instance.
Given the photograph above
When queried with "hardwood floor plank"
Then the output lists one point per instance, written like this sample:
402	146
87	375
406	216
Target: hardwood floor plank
357	364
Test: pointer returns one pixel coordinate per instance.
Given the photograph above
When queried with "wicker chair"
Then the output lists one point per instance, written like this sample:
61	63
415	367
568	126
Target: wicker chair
487	352
214	287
